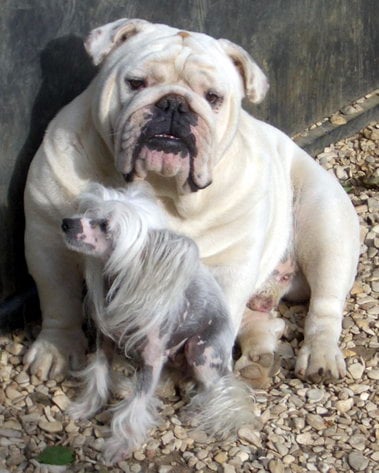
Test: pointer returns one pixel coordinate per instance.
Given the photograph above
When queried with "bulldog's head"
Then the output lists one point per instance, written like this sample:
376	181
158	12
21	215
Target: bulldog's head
168	101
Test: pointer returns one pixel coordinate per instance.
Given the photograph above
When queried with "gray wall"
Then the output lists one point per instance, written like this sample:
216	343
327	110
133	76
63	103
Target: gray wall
318	54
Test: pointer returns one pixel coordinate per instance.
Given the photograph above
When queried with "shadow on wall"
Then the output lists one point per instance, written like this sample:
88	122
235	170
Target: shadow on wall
66	71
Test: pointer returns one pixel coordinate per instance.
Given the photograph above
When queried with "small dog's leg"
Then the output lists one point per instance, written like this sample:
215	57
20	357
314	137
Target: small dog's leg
223	403
133	417
96	378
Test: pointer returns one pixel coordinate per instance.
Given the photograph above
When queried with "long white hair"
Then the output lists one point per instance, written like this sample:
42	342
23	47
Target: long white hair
149	268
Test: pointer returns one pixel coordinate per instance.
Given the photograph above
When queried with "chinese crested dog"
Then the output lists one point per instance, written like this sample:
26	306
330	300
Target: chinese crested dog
150	294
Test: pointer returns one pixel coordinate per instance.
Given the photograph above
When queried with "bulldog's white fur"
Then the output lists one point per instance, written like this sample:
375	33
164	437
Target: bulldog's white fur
266	195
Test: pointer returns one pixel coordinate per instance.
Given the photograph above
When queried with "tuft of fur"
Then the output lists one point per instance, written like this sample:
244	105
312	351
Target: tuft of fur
222	408
96	386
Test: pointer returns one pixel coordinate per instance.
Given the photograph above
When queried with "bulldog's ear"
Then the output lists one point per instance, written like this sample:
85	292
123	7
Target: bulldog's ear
102	40
255	81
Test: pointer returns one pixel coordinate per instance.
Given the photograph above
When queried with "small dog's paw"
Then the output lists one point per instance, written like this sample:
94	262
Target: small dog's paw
80	410
320	362
257	370
54	352
115	450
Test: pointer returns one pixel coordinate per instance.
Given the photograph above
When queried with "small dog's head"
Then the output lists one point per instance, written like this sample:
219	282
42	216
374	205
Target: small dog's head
90	236
110	218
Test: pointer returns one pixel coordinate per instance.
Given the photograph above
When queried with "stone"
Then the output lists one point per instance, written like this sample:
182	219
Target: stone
50	427
344	405
358	441
22	378
304	439
201	454
250	436
12	393
62	401
139	456
373	374
228	468
198	436
357	461
341	173
315	421
167	437
221	457
276	466
356	370
164	469
243	456
338	120
315	395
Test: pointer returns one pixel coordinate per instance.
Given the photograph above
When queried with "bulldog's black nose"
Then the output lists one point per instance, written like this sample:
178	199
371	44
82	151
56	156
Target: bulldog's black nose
173	103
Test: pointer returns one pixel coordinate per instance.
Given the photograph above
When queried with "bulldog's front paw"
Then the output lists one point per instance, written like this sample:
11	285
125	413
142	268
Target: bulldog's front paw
54	352
320	361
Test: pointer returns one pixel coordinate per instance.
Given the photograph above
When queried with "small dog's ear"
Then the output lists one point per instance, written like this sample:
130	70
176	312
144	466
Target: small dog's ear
255	81
104	39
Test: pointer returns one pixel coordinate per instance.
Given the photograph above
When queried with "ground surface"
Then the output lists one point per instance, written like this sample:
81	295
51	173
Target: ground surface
327	429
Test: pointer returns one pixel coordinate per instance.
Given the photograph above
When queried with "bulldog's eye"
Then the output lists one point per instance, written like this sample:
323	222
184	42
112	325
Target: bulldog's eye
136	84
213	99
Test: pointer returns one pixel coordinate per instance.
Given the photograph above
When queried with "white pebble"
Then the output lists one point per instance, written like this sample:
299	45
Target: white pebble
356	370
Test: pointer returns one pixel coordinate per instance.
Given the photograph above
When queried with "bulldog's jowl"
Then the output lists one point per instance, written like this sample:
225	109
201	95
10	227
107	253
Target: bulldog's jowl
169	129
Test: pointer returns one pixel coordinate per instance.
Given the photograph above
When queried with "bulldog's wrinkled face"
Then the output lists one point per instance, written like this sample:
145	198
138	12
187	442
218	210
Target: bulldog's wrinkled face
168	100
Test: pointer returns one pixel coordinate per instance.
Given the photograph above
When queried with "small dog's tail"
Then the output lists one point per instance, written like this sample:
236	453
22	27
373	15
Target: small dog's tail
223	408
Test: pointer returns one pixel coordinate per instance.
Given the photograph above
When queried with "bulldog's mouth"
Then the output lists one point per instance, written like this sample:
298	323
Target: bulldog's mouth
168	144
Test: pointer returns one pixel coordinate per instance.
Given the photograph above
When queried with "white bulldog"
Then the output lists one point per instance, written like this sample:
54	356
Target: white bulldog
166	107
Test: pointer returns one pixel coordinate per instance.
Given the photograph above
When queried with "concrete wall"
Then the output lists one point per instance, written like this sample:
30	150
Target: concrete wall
318	54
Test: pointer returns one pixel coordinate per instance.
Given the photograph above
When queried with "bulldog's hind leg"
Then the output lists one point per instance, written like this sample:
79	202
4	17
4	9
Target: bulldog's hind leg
258	339
328	251
260	329
61	343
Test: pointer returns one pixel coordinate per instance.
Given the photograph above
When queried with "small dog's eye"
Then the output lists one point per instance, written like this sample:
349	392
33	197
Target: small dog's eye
103	225
212	98
136	84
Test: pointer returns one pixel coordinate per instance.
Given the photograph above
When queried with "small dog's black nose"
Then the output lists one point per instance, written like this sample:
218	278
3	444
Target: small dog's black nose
72	225
65	225
173	103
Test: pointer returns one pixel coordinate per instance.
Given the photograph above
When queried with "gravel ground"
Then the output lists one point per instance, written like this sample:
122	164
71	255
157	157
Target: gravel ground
305	427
